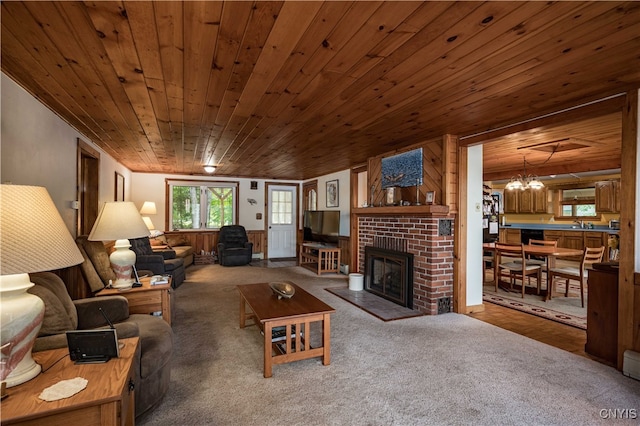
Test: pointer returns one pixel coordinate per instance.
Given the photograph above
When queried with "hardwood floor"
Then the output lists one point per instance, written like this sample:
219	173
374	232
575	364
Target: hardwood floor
561	336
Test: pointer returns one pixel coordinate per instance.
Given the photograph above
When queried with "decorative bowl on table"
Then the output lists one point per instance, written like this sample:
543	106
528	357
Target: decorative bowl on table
282	289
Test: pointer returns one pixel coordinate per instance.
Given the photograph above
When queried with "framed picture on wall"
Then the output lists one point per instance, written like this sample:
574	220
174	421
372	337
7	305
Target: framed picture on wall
119	193
332	193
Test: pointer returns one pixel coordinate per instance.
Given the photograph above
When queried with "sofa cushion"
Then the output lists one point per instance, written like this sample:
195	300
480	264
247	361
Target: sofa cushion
99	257
178	240
59	313
89	272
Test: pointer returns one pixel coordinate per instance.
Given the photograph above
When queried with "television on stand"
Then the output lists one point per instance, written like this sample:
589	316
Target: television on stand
321	226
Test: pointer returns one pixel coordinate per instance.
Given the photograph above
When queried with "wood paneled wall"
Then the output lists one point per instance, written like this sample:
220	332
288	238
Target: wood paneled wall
207	240
438	172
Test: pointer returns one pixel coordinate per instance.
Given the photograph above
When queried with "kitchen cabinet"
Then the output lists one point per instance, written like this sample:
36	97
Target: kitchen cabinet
554	236
511	201
510	236
527	201
573	239
607	196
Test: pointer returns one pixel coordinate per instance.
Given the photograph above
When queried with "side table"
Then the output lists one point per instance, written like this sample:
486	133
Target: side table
146	299
107	400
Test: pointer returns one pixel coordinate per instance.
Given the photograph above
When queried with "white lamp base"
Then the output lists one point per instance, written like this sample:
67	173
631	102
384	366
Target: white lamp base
21	319
122	261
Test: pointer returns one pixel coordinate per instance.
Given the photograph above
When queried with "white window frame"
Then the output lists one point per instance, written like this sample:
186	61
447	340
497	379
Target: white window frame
203	186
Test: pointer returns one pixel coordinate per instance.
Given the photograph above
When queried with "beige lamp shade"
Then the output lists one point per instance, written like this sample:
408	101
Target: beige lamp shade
34	237
118	220
147	221
149	207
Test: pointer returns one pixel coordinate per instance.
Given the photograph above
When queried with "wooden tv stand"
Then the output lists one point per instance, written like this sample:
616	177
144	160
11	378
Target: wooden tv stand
320	258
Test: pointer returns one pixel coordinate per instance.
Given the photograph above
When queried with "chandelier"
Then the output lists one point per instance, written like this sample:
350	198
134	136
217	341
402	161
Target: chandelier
524	181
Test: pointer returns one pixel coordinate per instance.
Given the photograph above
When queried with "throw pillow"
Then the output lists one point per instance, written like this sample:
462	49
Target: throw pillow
100	259
178	240
59	311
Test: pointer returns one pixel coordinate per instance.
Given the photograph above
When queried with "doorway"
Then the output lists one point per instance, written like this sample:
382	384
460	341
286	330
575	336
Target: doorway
87	187
282	220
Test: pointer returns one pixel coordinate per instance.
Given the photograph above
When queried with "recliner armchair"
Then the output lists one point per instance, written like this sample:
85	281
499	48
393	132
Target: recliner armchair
160	262
234	248
152	362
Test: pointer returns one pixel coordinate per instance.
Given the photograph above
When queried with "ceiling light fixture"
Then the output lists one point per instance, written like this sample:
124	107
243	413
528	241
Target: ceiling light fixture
209	169
524	181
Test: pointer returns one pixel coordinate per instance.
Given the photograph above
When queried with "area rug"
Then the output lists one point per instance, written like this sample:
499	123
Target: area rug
566	310
375	305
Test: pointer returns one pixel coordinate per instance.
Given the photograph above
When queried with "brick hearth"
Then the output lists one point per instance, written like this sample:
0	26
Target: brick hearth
433	254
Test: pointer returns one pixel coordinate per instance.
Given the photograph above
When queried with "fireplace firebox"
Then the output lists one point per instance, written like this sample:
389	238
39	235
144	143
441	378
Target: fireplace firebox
389	274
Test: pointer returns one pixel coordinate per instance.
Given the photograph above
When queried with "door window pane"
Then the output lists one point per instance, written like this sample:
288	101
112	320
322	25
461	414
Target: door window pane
281	207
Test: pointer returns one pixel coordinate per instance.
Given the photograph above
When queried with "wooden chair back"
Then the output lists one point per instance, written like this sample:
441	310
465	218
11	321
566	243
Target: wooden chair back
550	243
591	255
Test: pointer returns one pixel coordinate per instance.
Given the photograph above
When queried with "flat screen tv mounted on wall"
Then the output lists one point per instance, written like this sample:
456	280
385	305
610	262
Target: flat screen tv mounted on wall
321	226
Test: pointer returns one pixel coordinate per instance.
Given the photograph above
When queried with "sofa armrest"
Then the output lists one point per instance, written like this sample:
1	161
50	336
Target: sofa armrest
152	262
116	308
248	245
166	253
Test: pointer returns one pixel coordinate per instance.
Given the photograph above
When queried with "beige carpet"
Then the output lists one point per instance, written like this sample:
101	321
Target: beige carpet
443	370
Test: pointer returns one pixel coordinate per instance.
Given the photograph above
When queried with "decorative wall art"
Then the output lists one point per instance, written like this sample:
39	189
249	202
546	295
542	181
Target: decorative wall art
430	197
119	185
332	193
402	169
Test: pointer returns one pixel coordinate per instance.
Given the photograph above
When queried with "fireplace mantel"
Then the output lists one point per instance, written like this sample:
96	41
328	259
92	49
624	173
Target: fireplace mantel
433	210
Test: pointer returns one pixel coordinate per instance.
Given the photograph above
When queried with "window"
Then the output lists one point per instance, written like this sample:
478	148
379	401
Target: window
202	205
281	207
578	203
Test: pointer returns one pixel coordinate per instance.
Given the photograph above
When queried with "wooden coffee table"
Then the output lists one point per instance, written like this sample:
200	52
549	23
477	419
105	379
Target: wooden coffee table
268	312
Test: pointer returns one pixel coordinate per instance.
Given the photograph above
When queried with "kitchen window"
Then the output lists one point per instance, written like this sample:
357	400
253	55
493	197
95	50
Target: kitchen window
201	204
578	203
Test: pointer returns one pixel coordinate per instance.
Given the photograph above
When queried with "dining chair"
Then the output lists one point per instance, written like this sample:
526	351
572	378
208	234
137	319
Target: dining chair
591	255
517	265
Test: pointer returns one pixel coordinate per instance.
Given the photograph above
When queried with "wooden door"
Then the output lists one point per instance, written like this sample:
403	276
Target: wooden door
510	201
605	202
525	201
540	200
573	239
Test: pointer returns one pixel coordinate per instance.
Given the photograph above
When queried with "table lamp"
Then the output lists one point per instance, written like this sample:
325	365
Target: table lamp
149	208
33	238
120	220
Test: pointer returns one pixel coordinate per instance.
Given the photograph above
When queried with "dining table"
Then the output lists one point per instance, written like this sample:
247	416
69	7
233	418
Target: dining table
550	253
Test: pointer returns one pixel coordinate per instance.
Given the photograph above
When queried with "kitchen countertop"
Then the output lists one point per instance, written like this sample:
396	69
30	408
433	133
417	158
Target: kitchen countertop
561	227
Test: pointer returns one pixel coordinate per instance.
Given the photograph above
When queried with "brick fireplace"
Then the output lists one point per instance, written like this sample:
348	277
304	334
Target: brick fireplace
429	238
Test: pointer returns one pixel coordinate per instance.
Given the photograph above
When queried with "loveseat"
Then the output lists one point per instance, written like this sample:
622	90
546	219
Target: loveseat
178	243
152	362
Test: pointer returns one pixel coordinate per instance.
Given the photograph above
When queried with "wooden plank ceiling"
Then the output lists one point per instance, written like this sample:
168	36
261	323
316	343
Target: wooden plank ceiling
295	90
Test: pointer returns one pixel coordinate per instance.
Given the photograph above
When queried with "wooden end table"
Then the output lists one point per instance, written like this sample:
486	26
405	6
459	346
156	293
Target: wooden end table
268	312
146	299
107	400
320	258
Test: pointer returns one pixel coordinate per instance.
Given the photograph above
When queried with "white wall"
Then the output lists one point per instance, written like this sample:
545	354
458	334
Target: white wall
152	187
38	148
344	201
474	227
